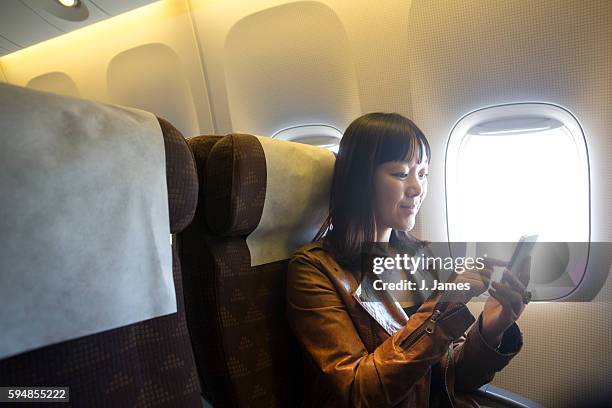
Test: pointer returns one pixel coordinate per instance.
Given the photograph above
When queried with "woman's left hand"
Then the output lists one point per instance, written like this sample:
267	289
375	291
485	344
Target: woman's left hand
506	302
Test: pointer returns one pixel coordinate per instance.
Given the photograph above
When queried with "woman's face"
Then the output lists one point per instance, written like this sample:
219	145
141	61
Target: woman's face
400	188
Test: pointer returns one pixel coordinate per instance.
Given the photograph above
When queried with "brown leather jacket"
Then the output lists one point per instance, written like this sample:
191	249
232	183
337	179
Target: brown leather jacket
369	354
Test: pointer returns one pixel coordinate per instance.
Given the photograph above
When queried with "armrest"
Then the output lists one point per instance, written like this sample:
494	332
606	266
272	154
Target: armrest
494	397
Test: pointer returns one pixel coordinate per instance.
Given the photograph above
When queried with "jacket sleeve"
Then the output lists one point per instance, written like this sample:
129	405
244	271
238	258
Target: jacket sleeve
384	377
476	362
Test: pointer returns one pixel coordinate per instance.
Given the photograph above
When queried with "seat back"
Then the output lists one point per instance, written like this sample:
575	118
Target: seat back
260	199
148	363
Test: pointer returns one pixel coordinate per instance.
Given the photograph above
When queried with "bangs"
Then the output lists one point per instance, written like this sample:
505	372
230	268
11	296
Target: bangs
402	141
370	140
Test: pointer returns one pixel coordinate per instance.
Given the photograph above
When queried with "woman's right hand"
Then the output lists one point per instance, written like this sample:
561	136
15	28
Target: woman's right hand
473	282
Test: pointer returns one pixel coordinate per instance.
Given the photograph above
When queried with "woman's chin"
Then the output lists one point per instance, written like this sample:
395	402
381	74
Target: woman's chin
407	225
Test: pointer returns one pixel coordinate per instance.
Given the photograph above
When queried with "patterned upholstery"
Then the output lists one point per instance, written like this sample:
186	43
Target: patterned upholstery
245	352
236	186
181	178
146	364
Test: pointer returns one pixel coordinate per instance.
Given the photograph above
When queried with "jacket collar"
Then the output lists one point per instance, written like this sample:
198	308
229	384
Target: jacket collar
383	308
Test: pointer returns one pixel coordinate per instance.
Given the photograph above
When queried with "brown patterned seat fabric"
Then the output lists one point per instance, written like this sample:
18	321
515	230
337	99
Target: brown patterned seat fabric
245	352
146	364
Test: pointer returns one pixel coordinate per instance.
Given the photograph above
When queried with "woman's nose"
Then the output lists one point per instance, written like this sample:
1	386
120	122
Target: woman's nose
413	187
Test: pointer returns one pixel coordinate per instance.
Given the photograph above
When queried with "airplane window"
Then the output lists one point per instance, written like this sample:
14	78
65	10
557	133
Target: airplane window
325	136
518	169
523	169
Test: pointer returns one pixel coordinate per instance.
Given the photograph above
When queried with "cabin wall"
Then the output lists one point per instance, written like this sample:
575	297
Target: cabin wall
261	65
2	77
487	54
375	34
466	55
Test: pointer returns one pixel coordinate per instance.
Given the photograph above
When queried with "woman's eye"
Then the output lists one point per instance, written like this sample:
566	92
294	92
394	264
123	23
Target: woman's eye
423	174
400	175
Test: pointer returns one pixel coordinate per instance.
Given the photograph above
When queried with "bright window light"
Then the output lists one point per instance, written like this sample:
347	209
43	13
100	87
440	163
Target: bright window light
518	169
325	136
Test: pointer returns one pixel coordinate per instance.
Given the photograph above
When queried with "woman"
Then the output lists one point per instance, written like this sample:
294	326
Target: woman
369	352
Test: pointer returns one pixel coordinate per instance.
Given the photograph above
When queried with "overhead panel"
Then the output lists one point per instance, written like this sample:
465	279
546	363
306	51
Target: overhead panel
114	7
8	45
66	18
4	51
22	26
27	22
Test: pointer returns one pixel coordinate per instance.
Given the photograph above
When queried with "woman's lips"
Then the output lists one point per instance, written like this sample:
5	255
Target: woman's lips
408	209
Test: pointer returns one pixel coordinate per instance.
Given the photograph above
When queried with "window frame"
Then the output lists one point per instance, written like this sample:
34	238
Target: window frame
301	132
469	121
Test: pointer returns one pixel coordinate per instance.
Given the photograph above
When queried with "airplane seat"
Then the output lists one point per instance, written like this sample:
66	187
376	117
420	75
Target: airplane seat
148	363
260	199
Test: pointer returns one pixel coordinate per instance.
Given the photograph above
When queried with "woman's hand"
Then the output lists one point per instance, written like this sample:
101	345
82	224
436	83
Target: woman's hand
506	302
477	279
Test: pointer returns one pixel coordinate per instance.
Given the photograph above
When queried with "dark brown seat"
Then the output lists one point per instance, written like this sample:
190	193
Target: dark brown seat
149	363
235	304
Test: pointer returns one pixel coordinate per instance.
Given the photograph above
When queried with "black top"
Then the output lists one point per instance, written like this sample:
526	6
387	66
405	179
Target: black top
411	309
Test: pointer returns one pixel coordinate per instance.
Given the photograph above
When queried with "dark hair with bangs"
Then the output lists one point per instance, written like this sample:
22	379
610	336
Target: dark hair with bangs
370	140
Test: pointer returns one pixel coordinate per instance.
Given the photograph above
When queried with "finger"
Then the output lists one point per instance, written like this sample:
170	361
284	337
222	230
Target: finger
482	277
487	271
491	262
513	281
507	303
501	299
508	292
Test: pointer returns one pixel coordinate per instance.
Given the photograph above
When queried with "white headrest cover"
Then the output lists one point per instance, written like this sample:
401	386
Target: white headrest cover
297	199
84	226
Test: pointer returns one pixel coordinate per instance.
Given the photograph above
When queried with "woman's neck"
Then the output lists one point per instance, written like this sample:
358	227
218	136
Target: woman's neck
383	235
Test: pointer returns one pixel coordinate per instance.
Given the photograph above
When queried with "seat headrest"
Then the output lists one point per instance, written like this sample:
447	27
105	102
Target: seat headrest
273	192
236	189
181	178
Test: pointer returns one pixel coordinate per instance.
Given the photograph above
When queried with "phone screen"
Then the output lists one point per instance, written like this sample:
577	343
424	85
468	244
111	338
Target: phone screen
522	250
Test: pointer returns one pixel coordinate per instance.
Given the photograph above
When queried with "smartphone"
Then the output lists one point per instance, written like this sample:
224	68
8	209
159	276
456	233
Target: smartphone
523	249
